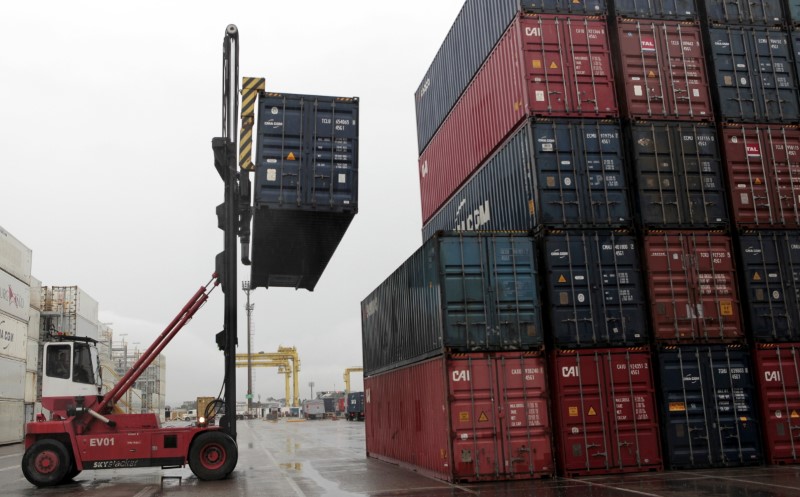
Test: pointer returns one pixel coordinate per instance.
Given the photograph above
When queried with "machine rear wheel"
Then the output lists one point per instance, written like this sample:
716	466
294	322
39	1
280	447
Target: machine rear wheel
213	455
46	463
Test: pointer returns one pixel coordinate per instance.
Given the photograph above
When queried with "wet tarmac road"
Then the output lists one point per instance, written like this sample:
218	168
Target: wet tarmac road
326	458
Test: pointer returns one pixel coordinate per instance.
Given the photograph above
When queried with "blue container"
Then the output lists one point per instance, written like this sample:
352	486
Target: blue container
771	279
306	186
595	289
458	292
746	12
477	29
709	407
793	13
656	9
565	173
679	171
754	73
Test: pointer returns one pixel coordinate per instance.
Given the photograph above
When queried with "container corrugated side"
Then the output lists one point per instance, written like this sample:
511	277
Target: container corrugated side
595	289
30	387
15	296
12	379
305	191
606	420
32	356
473	35
770	273
34	325
12	412
466	292
464	417
709	407
15	257
778	374
679	172
36	293
662	70
561	173
656	9
763	174
546	65
692	287
754	74
745	12
13	337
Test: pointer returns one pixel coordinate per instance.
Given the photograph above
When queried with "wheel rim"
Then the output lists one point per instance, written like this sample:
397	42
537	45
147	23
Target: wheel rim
46	462
213	456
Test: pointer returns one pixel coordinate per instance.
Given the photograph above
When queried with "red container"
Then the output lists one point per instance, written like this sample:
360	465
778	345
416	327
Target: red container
663	70
549	65
778	377
763	165
606	419
692	287
463	417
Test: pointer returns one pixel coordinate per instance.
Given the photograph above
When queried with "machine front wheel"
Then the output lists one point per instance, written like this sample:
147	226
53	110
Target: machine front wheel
213	455
46	463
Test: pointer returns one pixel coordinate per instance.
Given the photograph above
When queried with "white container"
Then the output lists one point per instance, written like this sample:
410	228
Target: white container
34	324
86	328
13	337
12	379
36	293
32	360
70	301
30	386
15	296
12	429
15	258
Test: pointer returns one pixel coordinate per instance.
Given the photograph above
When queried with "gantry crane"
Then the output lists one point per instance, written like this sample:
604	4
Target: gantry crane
347	377
283	354
283	365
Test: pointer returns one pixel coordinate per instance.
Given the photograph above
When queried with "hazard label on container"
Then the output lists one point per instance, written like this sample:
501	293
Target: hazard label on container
290	156
757	181
794	415
553	65
573	411
463	416
561	279
483	418
651	74
592	412
726	308
756	276
677	407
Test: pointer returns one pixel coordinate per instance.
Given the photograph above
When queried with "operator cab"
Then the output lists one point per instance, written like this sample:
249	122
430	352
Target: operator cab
71	370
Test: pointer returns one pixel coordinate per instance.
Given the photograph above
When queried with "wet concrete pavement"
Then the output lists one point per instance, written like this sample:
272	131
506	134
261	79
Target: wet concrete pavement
326	458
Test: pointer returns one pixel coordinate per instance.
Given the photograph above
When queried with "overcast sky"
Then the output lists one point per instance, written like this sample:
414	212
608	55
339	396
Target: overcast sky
108	111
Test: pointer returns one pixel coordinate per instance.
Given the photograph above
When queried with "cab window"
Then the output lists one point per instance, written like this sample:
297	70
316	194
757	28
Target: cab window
58	361
82	364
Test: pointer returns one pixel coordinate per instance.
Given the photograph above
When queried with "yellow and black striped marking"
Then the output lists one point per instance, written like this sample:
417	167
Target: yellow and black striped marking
250	89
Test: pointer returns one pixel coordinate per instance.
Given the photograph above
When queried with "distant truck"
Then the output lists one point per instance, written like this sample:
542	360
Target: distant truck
355	406
314	409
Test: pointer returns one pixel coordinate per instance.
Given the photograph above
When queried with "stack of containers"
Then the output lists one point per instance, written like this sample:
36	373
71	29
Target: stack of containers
15	279
754	51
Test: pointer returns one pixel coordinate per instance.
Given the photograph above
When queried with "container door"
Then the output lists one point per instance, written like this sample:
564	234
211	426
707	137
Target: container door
778	367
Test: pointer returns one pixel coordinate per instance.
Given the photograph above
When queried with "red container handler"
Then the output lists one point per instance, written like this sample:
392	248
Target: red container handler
463	417
606	418
662	70
544	65
778	380
692	286
763	164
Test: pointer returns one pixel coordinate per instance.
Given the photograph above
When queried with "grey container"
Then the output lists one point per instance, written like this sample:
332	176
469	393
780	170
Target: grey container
564	173
458	292
745	12
656	9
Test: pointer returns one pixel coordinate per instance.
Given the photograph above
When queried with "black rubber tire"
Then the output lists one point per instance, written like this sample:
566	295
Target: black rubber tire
46	463
72	473
213	455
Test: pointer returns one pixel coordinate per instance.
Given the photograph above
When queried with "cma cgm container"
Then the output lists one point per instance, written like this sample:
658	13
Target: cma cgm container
475	32
606	416
709	407
754	73
15	258
778	373
770	272
465	292
547	65
663	70
596	293
15	297
679	172
763	164
693	287
656	9
748	12
550	173
463	417
306	186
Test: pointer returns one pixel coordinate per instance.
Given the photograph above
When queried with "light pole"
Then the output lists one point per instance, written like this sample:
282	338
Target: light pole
249	308
311	384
